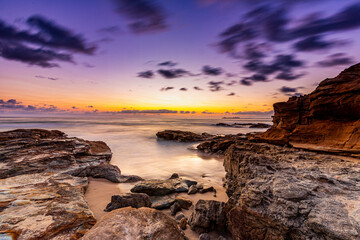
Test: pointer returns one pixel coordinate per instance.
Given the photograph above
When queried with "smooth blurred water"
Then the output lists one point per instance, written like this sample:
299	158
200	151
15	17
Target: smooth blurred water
133	142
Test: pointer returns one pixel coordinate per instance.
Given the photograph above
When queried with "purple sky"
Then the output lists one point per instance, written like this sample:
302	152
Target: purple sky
217	56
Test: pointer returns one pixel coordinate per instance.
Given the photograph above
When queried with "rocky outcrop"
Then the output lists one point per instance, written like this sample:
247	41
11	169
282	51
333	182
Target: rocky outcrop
183	136
328	119
208	215
240	125
219	144
135	200
42	179
284	193
157	187
130	223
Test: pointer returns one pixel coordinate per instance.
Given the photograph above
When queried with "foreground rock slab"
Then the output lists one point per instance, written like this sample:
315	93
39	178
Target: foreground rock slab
129	224
44	206
284	193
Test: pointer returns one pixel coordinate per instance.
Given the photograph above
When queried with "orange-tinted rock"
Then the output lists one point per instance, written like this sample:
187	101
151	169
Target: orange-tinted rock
326	119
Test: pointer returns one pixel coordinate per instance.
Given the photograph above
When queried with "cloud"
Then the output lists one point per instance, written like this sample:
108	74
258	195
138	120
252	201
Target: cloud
335	60
314	43
167	64
207	112
144	16
73	107
146	74
14	105
149	111
185	112
233	82
42	44
90	106
231	94
113	30
166	88
285	89
215	86
183	89
261	33
198	88
212	71
173	73
50	78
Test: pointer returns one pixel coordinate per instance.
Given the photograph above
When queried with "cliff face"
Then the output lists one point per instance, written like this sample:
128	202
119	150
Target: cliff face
326	119
281	193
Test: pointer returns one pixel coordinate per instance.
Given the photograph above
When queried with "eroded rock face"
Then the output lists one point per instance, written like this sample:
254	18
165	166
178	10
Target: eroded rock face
130	223
135	200
44	206
283	193
41	196
183	136
157	187
219	144
327	119
208	215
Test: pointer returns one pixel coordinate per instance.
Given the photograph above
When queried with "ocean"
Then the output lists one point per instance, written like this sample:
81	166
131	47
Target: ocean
132	139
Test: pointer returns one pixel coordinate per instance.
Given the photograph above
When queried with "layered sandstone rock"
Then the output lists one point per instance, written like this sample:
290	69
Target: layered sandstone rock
326	119
183	136
43	180
130	223
283	193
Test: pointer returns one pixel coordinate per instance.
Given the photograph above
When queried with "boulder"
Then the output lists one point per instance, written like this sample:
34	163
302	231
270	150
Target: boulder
219	144
135	200
183	202
183	136
284	193
175	208
183	223
204	236
327	119
156	187
130	223
192	190
208	215
162	202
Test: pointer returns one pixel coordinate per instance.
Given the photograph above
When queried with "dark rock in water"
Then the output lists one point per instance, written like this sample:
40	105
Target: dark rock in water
284	193
183	202
174	175
208	215
156	187
207	189
327	119
135	200
131	223
260	125
204	236
175	208
179	216
192	190
219	144
162	202
183	136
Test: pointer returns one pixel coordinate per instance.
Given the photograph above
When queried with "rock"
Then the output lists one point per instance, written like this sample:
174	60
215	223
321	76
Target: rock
239	125
183	202
44	206
192	190
221	238
174	175
183	223
41	196
327	119
208	215
162	202
219	144
130	223
135	200
285	193
204	236
183	136
156	187
207	189
26	151
260	125
179	216
175	208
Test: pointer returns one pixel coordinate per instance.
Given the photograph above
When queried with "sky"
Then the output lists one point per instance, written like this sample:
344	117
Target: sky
234	57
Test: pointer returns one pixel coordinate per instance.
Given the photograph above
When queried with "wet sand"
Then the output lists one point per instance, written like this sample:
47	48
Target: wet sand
99	193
